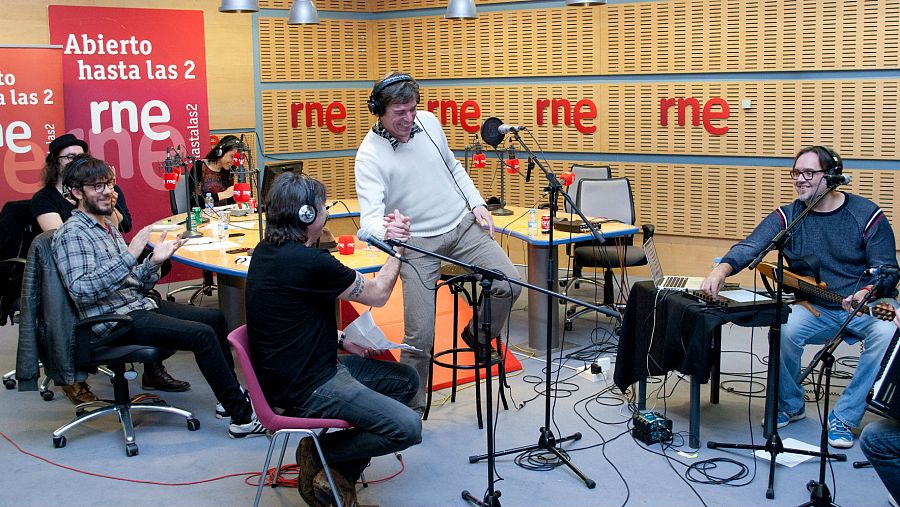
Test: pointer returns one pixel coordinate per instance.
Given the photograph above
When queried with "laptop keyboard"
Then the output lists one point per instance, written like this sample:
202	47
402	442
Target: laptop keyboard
676	281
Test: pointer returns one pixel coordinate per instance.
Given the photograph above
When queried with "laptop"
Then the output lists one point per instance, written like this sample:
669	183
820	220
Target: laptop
667	282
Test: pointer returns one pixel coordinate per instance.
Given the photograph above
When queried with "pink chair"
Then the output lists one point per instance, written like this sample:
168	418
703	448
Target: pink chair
278	424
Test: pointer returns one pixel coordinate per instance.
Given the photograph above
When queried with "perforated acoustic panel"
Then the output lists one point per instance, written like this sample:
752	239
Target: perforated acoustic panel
281	137
330	50
325	5
700	201
336	173
858	118
393	5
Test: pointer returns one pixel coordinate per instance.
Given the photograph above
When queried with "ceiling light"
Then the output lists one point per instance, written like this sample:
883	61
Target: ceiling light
303	12
461	9
239	6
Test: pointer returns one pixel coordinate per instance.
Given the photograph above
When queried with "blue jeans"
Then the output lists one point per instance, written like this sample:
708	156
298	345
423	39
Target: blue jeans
880	442
804	328
372	395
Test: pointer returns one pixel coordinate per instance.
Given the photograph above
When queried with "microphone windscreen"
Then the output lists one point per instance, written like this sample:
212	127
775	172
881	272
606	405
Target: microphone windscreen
490	131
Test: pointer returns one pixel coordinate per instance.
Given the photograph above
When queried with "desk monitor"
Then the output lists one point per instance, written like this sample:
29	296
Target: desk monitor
272	170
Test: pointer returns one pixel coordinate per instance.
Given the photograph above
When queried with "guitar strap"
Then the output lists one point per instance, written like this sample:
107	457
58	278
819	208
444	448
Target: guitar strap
808	265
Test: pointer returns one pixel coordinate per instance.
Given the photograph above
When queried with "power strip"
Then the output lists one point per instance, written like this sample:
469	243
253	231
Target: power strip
596	371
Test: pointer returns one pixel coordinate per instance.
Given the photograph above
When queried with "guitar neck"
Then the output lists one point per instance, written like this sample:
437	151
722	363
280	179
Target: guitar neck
806	286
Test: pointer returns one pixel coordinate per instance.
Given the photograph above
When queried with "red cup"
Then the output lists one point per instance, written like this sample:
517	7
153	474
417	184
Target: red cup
545	223
346	245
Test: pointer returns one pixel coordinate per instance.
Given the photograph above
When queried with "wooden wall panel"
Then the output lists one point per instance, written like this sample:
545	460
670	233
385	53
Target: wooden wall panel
324	5
280	137
330	51
858	118
719	202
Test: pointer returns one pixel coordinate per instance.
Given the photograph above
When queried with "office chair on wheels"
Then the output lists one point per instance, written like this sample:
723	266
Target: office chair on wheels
179	203
50	330
612	199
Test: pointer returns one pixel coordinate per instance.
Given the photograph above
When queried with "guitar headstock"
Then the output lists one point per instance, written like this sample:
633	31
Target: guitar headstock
883	311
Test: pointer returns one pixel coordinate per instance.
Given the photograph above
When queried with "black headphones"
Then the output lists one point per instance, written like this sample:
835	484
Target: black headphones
224	145
70	170
376	107
837	164
307	212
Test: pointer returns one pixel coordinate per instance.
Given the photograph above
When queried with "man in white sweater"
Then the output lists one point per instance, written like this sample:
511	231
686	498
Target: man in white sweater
404	163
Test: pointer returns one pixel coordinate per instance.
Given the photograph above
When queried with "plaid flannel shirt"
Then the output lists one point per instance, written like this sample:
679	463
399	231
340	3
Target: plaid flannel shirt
101	275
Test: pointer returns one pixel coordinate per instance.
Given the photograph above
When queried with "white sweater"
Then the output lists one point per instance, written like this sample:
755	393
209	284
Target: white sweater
415	180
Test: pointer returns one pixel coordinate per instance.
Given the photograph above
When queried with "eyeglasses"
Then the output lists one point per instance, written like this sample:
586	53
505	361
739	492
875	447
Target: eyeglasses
70	157
99	186
806	173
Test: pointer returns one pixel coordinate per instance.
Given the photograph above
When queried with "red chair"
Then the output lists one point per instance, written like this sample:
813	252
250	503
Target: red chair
278	424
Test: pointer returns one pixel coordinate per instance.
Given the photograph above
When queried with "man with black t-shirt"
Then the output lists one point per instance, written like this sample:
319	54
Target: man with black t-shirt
292	289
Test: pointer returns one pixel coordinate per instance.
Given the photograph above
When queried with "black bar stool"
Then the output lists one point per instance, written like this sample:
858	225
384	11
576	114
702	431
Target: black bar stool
456	278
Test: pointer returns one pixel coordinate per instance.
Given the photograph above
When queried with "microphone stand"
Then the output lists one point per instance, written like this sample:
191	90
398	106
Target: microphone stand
819	495
190	229
546	439
492	496
773	443
502	211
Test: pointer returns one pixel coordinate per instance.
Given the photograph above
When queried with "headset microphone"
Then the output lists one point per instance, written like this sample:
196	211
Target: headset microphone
834	180
379	244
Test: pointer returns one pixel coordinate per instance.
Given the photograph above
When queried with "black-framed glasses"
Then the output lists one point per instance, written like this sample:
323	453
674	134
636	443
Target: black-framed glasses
70	157
99	186
806	173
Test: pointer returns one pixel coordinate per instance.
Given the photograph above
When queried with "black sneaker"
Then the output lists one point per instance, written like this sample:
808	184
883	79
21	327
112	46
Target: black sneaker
492	357
250	429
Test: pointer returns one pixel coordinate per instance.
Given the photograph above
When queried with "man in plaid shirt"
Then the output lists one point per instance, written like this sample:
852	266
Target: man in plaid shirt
102	276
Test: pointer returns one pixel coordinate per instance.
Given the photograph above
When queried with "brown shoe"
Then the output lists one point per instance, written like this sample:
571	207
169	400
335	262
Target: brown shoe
79	392
156	378
324	495
309	468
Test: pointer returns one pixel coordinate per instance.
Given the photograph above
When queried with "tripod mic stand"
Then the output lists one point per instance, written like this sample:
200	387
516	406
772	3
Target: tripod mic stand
491	497
547	440
773	443
819	495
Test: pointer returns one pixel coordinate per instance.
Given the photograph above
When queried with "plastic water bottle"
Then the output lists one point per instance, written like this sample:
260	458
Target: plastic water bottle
532	223
223	225
209	202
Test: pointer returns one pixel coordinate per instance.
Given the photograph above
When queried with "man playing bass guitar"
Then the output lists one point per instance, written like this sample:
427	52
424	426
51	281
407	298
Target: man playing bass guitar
846	233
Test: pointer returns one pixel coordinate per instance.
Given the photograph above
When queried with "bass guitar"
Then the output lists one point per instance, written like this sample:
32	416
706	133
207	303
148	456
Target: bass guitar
807	285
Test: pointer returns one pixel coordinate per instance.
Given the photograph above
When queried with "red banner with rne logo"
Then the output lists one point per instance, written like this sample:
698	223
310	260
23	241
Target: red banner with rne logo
134	84
31	115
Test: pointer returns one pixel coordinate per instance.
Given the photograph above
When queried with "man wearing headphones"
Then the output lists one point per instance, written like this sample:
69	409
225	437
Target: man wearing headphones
102	275
846	233
292	289
405	163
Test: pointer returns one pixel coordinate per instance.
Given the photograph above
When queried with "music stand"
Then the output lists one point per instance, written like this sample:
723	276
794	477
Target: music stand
773	444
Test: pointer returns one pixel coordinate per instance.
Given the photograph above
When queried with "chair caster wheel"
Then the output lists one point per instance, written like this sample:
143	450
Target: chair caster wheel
59	442
568	326
47	395
131	449
193	424
9	383
170	299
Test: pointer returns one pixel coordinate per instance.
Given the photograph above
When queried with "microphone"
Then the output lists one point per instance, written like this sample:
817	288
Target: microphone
479	159
513	165
328	205
170	178
886	269
506	129
379	244
530	168
833	180
567	178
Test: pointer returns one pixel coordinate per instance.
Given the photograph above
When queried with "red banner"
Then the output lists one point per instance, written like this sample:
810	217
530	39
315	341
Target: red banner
31	115
135	83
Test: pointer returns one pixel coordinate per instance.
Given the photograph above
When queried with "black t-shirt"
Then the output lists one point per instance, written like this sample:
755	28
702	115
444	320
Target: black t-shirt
49	200
290	299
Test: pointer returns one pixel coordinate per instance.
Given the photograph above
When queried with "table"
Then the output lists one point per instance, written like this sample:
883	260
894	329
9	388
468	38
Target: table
538	252
667	330
244	233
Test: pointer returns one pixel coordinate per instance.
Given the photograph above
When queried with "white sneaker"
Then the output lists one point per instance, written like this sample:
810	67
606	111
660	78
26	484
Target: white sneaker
221	413
891	500
250	429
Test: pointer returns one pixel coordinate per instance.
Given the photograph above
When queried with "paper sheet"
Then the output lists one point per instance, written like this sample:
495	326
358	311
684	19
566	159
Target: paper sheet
744	296
788	459
364	332
202	246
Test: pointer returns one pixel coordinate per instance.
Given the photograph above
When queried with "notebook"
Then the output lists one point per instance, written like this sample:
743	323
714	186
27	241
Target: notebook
667	282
